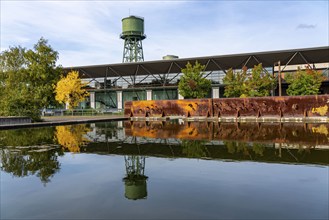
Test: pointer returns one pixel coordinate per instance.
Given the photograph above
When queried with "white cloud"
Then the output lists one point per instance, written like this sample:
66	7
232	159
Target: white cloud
87	32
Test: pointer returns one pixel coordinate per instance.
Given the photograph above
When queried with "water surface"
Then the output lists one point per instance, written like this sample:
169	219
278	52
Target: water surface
165	170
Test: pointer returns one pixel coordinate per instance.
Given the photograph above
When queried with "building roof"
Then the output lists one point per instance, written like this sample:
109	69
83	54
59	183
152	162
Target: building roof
213	63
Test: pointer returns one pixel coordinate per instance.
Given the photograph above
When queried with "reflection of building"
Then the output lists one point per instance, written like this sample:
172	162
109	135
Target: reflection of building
269	142
304	134
135	180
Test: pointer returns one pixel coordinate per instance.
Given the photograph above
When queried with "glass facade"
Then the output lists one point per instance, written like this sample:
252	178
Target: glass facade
164	94
106	99
133	95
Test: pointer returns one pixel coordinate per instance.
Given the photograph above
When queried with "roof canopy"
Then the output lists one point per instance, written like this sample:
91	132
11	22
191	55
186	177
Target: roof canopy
213	63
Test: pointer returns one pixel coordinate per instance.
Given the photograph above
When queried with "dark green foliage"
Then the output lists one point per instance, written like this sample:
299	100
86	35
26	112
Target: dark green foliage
242	84
26	80
193	84
234	83
259	83
304	82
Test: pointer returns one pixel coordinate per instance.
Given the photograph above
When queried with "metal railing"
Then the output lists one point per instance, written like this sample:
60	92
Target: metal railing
86	112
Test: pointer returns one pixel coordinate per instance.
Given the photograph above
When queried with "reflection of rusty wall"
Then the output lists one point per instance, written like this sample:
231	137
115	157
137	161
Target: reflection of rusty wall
164	130
308	134
273	132
287	106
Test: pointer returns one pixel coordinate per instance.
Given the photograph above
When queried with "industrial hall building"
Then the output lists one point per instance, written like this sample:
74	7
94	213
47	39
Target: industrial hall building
110	85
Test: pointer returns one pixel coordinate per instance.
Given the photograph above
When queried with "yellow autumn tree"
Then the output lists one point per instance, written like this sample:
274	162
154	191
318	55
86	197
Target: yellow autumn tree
70	89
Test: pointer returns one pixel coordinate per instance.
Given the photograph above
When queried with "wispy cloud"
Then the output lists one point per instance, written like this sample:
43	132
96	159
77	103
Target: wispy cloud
306	26
87	32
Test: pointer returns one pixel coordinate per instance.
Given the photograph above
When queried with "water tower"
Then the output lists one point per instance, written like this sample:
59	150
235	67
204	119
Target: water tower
133	34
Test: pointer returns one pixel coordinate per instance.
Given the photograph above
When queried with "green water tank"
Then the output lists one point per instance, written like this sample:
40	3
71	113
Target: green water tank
132	26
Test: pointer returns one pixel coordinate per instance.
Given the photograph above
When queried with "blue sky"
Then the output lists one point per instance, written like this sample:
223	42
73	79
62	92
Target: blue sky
87	32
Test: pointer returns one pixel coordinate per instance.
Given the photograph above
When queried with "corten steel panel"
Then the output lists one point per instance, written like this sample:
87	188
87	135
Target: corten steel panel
158	108
236	107
287	106
304	134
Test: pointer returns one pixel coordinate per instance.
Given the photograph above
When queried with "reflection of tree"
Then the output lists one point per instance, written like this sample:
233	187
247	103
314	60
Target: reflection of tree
258	149
320	130
31	153
72	137
194	148
237	147
27	137
25	161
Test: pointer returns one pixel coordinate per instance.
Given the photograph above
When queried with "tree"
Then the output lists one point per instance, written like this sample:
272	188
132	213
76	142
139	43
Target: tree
27	78
71	90
255	84
193	84
234	83
304	82
259	83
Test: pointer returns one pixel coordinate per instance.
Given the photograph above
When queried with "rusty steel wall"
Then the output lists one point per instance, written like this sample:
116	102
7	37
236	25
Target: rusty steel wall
161	108
286	106
297	133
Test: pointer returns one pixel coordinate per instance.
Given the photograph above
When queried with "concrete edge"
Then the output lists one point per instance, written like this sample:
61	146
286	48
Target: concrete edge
54	123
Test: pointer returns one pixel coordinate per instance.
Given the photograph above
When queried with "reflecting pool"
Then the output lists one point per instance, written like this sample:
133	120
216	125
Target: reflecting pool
165	170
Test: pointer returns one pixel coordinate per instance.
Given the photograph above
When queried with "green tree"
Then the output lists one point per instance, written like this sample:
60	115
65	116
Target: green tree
193	84
242	84
27	78
259	83
70	89
304	82
234	83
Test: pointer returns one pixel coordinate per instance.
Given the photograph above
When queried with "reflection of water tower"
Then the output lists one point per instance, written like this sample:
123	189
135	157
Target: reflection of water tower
133	34
135	180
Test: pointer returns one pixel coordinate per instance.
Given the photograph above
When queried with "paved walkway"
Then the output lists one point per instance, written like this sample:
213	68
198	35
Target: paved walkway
63	120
